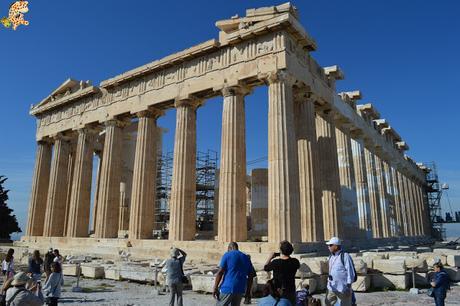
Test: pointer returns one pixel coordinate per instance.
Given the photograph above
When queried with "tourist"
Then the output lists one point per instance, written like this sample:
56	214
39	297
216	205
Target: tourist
49	258
57	257
234	269
284	268
440	284
174	274
341	275
248	293
273	295
8	265
52	287
18	292
35	265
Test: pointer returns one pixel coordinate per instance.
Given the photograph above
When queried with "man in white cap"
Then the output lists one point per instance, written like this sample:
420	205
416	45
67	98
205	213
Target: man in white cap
17	293
342	274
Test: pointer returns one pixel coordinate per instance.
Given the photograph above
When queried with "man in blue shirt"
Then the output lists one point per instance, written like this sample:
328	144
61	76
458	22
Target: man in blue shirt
234	269
341	275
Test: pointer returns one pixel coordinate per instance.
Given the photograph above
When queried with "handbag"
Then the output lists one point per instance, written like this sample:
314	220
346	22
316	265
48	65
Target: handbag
430	292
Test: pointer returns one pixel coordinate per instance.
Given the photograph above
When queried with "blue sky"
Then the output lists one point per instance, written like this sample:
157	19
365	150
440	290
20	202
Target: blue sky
402	55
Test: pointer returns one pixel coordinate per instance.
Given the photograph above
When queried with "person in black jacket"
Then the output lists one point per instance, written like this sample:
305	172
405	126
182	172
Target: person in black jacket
440	284
284	269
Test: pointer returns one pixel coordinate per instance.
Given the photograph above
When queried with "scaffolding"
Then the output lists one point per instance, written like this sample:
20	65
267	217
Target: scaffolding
434	194
206	171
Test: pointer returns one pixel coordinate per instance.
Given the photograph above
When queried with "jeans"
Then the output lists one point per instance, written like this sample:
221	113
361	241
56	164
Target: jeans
176	289
439	299
229	299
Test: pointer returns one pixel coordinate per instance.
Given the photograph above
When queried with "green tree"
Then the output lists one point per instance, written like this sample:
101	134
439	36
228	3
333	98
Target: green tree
8	222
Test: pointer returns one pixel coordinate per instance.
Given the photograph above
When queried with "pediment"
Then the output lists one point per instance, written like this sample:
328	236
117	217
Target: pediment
64	92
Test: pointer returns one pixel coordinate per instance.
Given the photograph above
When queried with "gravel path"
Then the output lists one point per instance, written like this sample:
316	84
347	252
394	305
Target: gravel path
107	292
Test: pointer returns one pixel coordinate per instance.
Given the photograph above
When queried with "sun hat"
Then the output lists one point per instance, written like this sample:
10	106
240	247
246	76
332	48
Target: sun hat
19	279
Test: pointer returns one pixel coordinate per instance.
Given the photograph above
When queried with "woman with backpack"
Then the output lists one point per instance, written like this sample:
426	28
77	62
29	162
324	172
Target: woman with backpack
8	265
440	284
175	275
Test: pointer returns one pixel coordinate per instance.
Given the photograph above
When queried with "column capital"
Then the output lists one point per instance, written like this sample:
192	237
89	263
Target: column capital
88	130
151	112
121	123
234	90
280	76
192	102
61	136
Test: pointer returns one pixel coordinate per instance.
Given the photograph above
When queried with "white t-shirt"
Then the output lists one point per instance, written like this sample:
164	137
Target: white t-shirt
5	265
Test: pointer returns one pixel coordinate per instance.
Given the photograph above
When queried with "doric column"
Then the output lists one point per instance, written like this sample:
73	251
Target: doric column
390	198
399	225
110	178
80	200
403	203
418	208
348	196
182	216
96	192
382	190
40	184
409	207
329	174
311	216
362	190
232	225
70	168
374	198
143	197
425	210
57	191
283	169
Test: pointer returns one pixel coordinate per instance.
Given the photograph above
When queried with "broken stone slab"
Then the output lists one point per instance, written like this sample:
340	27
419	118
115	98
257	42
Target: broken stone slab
304	255
263	277
454	273
446	252
202	283
362	284
112	272
421	280
137	273
317	265
360	266
70	269
91	271
390	281
432	258
73	259
390	266
423	249
419	264
321	286
453	260
304	271
401	254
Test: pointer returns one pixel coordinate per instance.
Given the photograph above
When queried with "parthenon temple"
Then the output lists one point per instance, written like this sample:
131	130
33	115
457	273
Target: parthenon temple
335	167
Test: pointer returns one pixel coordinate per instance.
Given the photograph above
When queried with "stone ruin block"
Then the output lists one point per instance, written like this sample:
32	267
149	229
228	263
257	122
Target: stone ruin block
419	264
70	269
317	265
360	266
454	273
369	257
322	283
112	272
137	273
422	280
203	283
312	283
431	258
453	260
446	252
362	284
390	266
391	281
304	271
95	272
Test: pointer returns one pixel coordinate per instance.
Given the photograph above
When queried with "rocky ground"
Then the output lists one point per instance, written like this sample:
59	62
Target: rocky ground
107	292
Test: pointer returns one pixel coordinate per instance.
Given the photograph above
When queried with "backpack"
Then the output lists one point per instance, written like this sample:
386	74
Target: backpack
342	254
301	297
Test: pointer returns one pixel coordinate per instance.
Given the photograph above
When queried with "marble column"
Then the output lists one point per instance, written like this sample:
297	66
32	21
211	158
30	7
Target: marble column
110	178
311	216
374	198
399	223
80	200
232	224
182	220
425	210
329	175
362	190
348	196
405	231
57	191
71	165
409	207
283	169
142	216
390	197
382	190
418	209
96	192
40	184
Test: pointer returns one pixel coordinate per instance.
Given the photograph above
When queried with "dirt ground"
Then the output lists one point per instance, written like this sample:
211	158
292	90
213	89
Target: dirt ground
107	292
